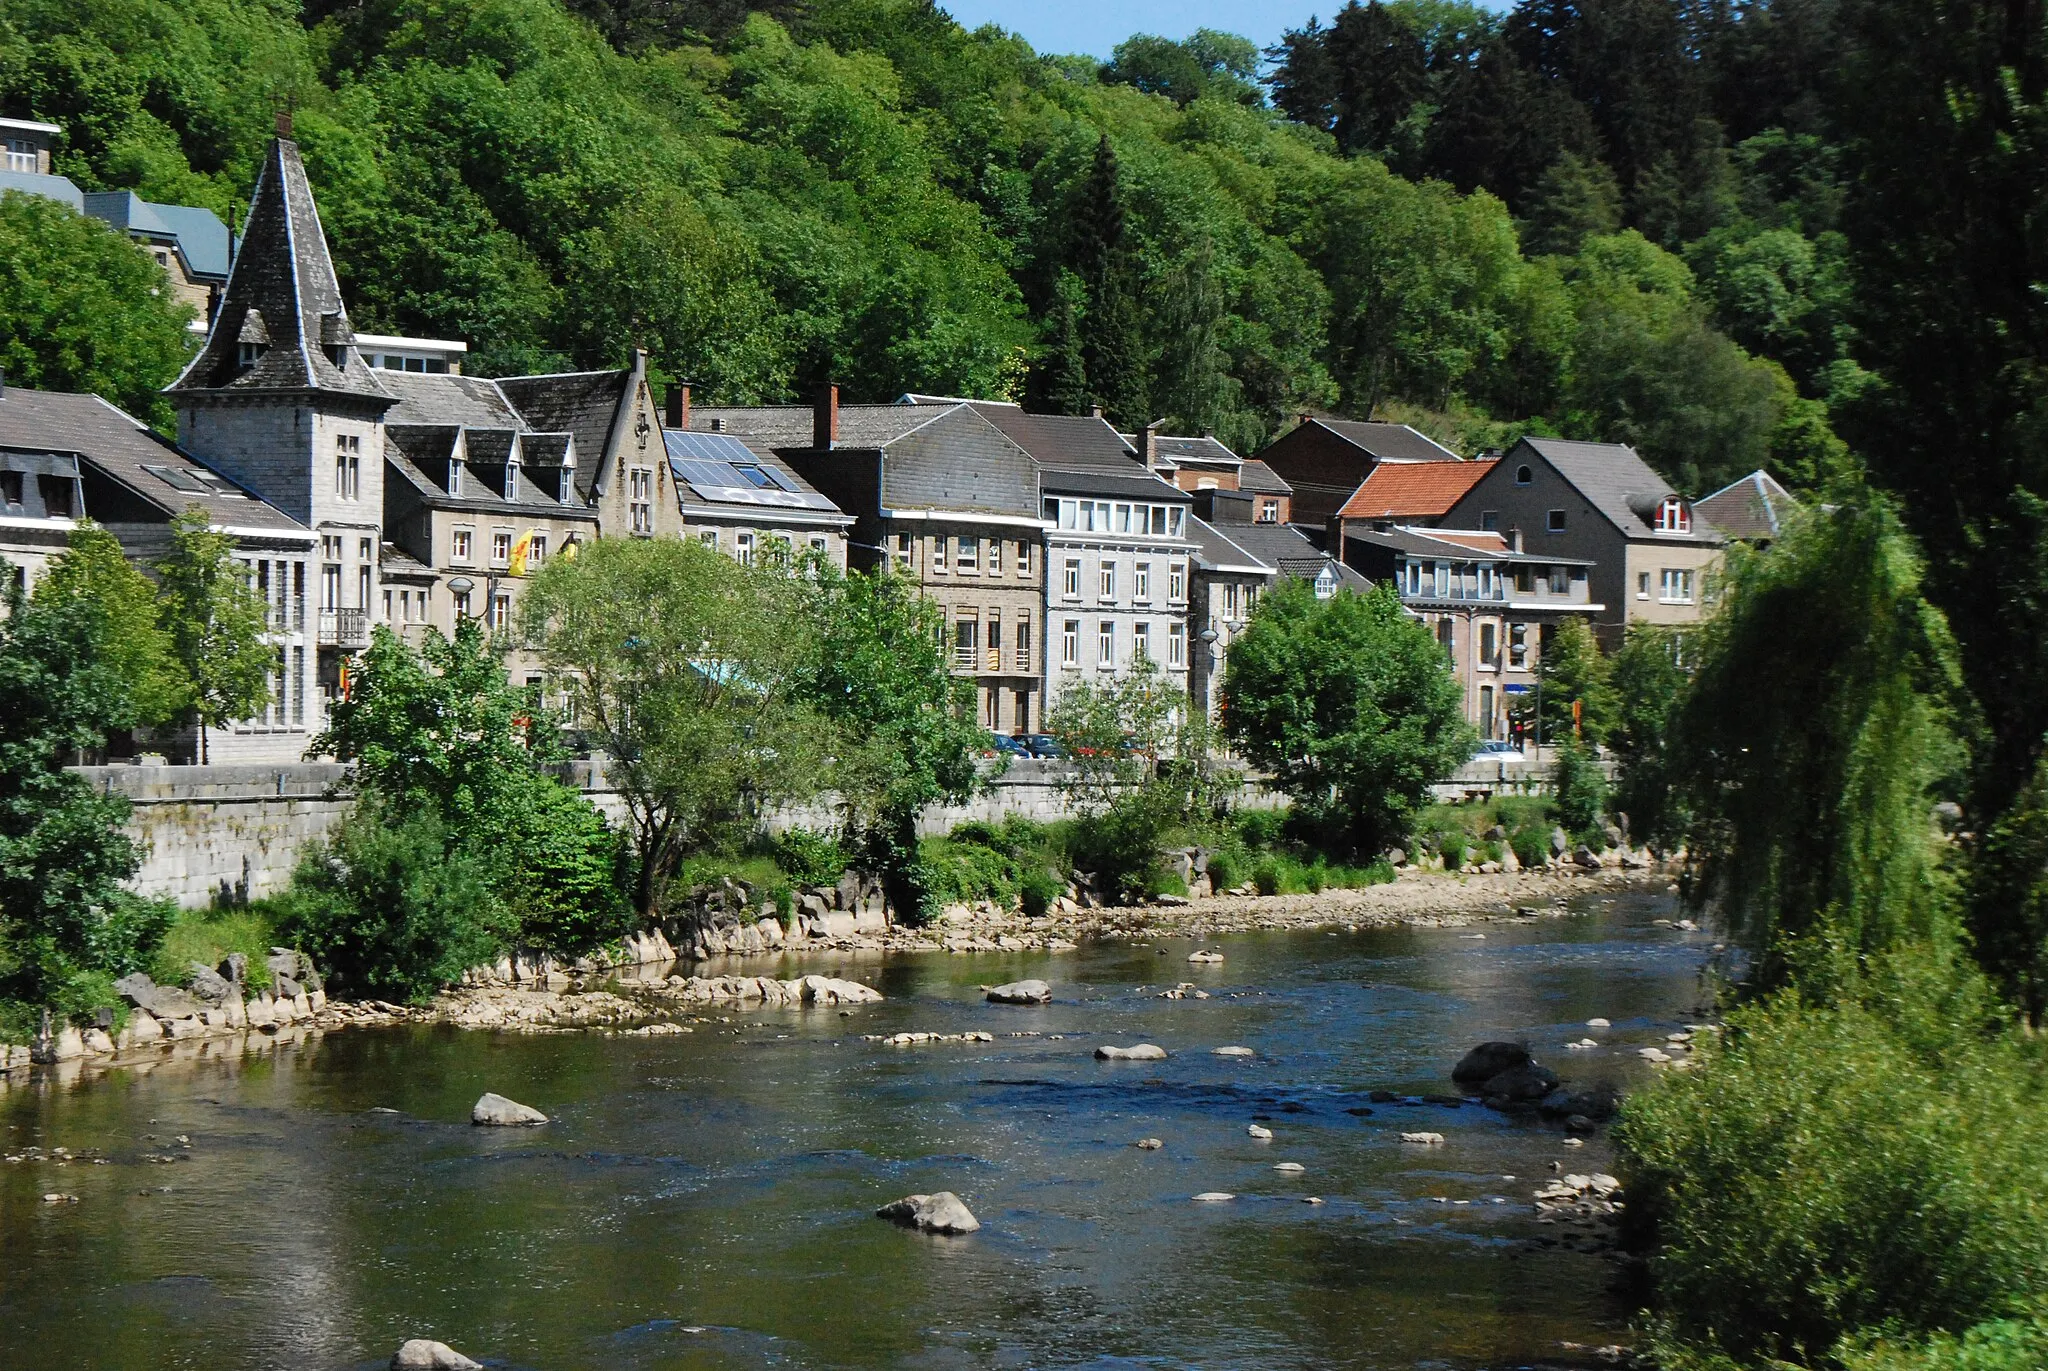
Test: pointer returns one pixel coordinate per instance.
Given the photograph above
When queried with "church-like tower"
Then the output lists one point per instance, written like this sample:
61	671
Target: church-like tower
280	400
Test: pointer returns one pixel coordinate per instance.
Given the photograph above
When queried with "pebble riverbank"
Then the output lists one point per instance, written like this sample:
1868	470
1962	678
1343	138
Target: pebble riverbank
656	998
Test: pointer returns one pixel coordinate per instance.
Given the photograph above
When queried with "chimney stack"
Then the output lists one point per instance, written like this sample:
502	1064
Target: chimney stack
284	122
825	417
1095	411
678	407
3	385
1148	445
1514	540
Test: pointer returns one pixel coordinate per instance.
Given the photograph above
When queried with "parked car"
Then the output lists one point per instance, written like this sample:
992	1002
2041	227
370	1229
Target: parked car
1042	745
1008	746
1496	747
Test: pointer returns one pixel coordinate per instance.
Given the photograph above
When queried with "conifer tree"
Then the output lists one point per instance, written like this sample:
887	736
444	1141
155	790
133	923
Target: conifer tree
1112	351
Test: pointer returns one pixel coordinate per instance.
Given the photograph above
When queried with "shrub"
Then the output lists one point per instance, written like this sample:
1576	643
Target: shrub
808	856
208	936
1266	876
1037	888
957	872
566	872
1875	1163
2001	1345
1581	790
1224	872
1531	843
390	910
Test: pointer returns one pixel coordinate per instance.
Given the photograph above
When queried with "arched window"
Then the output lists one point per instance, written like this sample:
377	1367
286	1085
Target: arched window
1524	476
1674	517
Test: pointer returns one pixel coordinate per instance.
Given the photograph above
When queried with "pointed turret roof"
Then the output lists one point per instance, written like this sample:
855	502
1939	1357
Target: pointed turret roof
282	298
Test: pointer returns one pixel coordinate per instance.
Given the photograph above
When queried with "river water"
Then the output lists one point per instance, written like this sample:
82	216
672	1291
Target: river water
705	1201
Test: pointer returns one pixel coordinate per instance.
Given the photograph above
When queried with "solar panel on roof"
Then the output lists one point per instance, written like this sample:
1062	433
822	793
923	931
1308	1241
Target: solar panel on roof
710	447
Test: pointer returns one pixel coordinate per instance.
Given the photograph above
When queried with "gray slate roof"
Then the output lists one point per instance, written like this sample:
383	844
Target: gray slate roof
1751	508
1215	551
201	238
1061	440
1618	483
1256	476
1417	543
281	291
1291	554
1389	442
49	187
124	448
465	401
1201	450
584	403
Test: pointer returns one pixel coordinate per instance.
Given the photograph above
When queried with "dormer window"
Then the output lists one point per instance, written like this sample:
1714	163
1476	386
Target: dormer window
1674	517
1524	476
249	354
454	476
337	353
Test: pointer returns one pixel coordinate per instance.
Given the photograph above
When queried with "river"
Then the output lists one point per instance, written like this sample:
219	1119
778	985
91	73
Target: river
705	1201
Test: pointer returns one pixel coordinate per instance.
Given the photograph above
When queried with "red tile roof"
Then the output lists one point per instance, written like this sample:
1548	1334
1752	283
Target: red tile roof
1413	490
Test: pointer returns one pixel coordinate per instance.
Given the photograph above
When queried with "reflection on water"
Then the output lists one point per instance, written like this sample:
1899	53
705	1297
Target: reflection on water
705	1201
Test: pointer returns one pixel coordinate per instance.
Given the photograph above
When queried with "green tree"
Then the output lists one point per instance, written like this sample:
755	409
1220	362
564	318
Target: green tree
1574	687
82	310
1348	703
132	641
685	668
216	622
1649	679
908	737
1112	345
1822	717
66	923
1575	200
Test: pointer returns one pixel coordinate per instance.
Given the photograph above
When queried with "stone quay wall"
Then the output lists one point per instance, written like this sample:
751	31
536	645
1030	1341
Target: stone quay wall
208	832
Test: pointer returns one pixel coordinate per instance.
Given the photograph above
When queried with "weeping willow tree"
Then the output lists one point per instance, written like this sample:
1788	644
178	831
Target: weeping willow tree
1825	715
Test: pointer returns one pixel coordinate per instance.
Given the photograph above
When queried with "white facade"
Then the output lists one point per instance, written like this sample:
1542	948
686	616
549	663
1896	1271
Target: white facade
1119	574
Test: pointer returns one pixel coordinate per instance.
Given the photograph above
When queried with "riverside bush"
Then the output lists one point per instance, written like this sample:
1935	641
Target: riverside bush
2000	1345
1877	1163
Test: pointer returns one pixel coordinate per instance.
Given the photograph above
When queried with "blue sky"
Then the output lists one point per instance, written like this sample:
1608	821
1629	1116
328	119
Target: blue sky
1096	26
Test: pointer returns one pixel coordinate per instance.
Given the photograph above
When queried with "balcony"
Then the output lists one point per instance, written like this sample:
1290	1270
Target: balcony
289	617
967	659
345	628
1023	661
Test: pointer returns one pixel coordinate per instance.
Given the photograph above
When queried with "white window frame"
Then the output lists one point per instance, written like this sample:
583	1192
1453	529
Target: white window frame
1176	583
1176	645
462	545
1105	644
1141	640
1674	587
1070	643
1105	580
1141	583
1070	587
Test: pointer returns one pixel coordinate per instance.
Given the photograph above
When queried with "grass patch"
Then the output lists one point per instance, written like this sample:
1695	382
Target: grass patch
208	936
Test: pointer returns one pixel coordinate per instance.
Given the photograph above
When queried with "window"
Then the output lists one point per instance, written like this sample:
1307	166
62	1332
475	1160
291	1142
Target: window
1269	511
1123	519
387	604
1518	645
249	354
1489	520
818	543
969	558
537	554
1676	587
1487	589
1141	583
1560	580
1230	599
939	554
1642	585
1105	588
1447	634
1673	516
1489	645
1553	522
1440	580
1178	522
1411	578
10	487
640	498
743	548
709	538
501	547
57	498
348	467
22	156
458	545
1070	643
366	549
1141	641
461	601
1176	582
1023	559
330	584
1486	719
363	586
1024	646
454	476
995	556
1524	476
501	610
903	551
1105	643
1071	587
1176	645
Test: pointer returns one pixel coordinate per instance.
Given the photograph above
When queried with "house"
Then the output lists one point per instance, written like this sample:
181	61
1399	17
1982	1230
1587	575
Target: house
1118	552
1600	503
1204	467
67	457
741	498
1751	510
939	494
1493	606
433	495
191	244
1406	494
1326	460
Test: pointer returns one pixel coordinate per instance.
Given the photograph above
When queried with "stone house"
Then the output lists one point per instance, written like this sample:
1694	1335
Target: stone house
939	494
1600	503
1492	606
741	497
1751	510
68	457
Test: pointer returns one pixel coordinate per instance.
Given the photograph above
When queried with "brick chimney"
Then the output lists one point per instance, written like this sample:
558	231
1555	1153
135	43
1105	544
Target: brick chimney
1095	411
825	417
1148	445
1514	539
677	413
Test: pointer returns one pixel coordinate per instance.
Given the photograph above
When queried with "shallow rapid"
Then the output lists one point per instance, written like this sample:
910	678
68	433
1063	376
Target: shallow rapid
706	1200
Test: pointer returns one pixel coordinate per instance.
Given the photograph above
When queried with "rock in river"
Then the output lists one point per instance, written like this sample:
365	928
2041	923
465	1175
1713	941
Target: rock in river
1020	992
1205	957
1520	1084
939	1213
1259	1132
421	1354
1141	1052
496	1109
1233	1052
1488	1060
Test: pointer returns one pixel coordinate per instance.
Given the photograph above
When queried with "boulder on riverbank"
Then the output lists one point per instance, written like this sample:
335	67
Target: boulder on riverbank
942	1212
1019	992
1141	1052
499	1112
1518	1085
423	1354
1488	1060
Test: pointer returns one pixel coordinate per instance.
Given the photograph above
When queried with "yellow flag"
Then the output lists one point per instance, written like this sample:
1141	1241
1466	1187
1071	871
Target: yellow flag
520	550
569	550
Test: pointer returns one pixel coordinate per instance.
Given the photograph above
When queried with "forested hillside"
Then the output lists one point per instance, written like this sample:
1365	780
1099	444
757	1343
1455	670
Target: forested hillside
767	194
